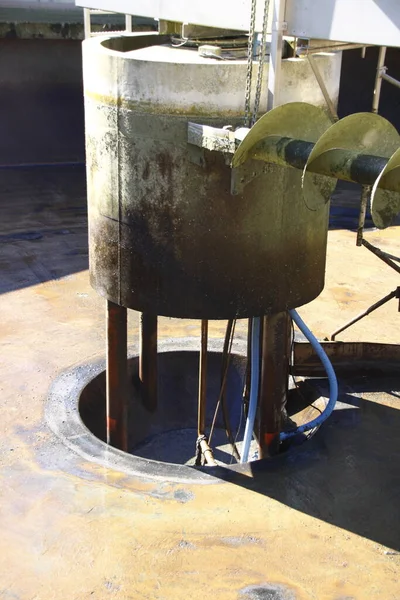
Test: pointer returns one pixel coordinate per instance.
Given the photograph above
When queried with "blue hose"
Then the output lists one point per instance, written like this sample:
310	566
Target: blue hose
255	377
333	386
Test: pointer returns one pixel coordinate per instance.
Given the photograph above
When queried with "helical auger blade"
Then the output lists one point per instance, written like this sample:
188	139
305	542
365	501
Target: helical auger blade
341	146
296	120
385	203
363	148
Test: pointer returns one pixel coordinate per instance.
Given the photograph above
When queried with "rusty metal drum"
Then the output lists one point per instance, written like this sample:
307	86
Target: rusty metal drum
166	234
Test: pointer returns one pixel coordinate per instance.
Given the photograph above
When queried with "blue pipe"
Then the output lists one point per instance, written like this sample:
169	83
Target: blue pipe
333	386
255	377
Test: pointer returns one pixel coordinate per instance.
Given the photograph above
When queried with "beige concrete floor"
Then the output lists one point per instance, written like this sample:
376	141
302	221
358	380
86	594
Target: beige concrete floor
72	529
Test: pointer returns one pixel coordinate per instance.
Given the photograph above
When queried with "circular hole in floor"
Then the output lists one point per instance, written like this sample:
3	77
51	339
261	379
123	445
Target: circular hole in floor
169	433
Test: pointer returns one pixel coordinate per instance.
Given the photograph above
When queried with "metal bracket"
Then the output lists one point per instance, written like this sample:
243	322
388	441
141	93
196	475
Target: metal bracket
211	138
280	26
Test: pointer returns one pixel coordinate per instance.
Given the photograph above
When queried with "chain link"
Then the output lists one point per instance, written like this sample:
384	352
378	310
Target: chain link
250	117
249	74
261	59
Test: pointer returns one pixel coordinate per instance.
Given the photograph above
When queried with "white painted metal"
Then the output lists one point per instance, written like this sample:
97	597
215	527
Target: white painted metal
357	21
275	64
232	14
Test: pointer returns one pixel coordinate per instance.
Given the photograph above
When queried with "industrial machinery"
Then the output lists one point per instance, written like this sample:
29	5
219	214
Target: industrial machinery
210	164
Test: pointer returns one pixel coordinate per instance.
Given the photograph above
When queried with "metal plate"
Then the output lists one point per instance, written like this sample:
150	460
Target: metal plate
385	205
365	133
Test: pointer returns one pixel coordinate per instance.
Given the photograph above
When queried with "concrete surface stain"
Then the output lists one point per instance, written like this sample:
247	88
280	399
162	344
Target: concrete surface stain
73	529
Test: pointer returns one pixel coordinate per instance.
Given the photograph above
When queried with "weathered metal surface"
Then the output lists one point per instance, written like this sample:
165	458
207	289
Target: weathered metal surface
266	142
275	352
347	357
385	205
347	165
117	377
166	236
202	397
365	133
294	120
365	193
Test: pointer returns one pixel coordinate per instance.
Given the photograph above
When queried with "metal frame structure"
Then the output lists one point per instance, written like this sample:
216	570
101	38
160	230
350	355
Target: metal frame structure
357	21
87	12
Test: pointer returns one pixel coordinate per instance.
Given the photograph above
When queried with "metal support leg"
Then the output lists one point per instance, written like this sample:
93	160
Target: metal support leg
201	417
378	79
363	211
128	23
86	23
117	376
202	447
394	294
321	83
148	360
275	350
382	255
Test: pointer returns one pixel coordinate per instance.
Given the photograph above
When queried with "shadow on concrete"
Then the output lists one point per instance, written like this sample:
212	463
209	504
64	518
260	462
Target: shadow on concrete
43	225
43	222
349	473
41	101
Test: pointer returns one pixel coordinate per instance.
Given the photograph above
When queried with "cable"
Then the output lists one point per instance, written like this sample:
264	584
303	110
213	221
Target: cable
255	375
226	356
333	386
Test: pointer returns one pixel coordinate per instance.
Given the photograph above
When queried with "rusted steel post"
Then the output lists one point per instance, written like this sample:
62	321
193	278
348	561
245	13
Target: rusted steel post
117	376
148	360
365	191
201	417
275	354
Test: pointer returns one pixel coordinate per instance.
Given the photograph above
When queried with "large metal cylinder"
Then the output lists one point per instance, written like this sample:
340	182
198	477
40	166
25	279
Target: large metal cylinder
166	235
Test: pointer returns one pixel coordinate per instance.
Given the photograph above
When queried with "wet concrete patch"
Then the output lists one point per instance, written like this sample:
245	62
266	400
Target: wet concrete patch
266	592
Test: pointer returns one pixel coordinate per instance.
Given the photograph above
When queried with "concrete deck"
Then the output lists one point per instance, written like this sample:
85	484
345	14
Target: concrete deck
324	525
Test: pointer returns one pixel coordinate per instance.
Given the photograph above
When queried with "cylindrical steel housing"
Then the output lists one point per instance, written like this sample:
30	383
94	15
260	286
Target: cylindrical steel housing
166	235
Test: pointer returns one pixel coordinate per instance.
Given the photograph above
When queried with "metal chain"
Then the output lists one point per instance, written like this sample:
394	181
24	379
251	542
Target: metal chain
261	59
249	74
